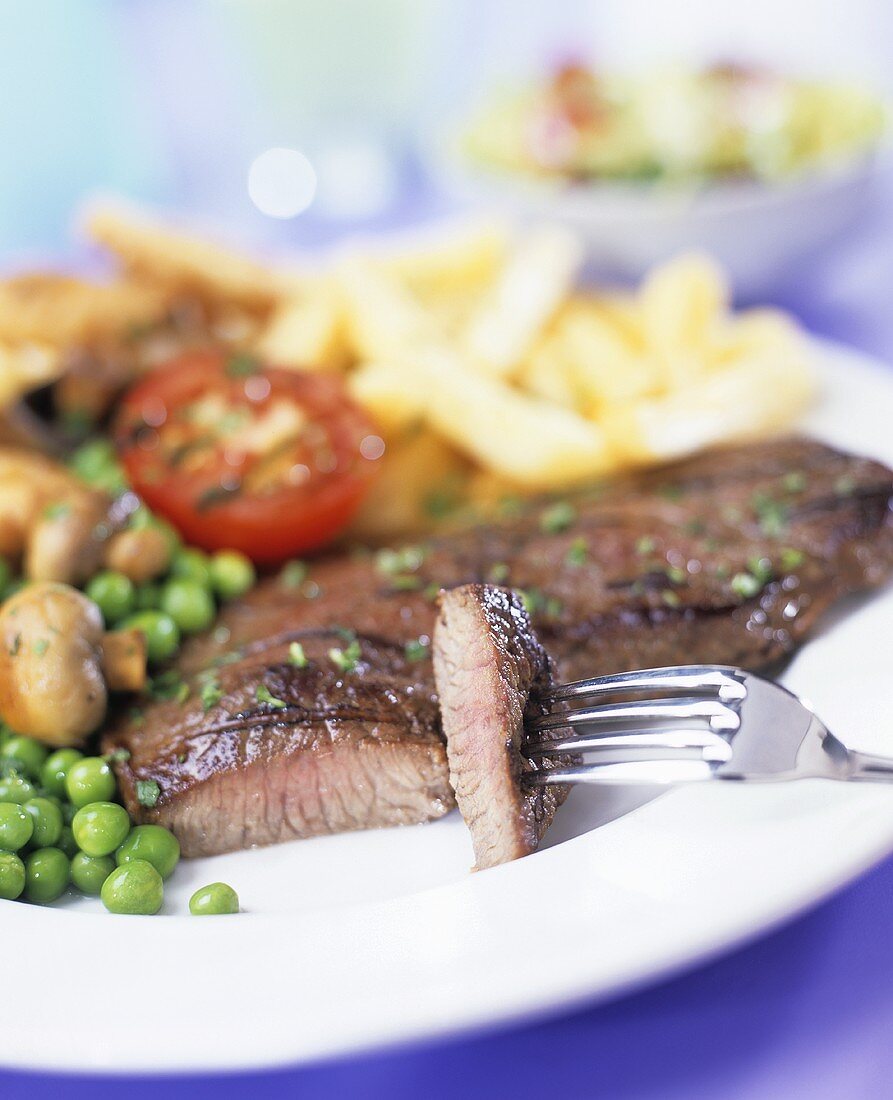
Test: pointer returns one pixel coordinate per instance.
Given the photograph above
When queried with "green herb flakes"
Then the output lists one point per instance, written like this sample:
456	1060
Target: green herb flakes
296	655
242	365
147	792
211	692
417	649
645	546
578	553
407	559
262	695
794	482
498	573
293	574
39	646
670	598
557	517
745	585
791	559
346	659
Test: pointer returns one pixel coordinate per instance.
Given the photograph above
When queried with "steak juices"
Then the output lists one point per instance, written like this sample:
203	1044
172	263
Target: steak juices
730	558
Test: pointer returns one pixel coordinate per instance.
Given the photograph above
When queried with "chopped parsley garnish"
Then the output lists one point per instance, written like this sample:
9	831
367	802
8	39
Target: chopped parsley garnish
771	514
844	486
676	575
694	527
761	569
794	482
745	585
670	598
211	692
405	560
536	601
147	792
293	574
557	517
262	695
217	494
39	646
346	659
296	655
117	756
498	573
577	553
242	365
417	649
645	545
169	685
432	591
15	645
58	510
791	558
406	582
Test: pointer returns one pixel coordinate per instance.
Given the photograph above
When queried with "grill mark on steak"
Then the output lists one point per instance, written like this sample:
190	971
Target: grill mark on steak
361	749
491	674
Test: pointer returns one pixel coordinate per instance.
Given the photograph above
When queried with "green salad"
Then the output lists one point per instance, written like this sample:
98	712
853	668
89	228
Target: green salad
673	124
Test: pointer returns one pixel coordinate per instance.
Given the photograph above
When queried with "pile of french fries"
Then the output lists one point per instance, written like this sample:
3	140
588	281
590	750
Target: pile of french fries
489	371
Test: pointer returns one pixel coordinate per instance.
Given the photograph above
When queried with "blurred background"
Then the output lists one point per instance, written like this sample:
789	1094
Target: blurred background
171	102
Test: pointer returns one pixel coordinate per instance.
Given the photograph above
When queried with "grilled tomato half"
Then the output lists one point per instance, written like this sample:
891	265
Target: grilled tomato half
240	455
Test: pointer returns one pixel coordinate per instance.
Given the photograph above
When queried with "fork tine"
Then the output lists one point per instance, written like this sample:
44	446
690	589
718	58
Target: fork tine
721	679
652	739
717	714
627	772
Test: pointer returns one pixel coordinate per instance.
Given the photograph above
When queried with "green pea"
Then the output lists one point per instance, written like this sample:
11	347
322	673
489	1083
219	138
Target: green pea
192	564
189	604
12	876
232	574
46	875
67	843
96	463
88	873
100	827
135	888
25	755
47	819
90	780
16	827
114	594
15	788
55	768
148	597
162	633
153	843
214	900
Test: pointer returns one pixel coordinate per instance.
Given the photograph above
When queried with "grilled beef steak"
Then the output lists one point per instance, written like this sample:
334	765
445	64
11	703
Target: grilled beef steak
491	672
729	557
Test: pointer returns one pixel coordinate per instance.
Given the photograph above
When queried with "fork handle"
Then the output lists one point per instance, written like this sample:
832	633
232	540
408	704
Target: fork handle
865	765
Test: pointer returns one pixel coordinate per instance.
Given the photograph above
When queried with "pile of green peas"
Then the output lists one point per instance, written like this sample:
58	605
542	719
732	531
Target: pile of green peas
60	822
59	826
182	602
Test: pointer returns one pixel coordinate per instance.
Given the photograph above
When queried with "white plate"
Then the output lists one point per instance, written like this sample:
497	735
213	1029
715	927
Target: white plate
363	939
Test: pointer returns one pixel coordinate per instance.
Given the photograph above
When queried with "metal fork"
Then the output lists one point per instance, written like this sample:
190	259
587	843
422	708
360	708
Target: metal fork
699	722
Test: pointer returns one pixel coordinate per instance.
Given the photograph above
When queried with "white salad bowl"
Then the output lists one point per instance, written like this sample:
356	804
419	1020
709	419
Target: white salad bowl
758	231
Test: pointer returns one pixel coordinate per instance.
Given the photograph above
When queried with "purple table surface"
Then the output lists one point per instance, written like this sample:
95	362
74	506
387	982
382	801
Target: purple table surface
804	1011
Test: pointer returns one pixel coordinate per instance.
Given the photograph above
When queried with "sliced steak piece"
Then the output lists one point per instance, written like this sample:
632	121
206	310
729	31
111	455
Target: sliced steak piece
491	673
729	558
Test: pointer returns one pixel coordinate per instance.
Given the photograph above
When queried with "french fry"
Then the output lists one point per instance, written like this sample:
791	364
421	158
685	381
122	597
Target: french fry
450	261
517	436
307	332
188	262
753	396
394	395
537	277
382	316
